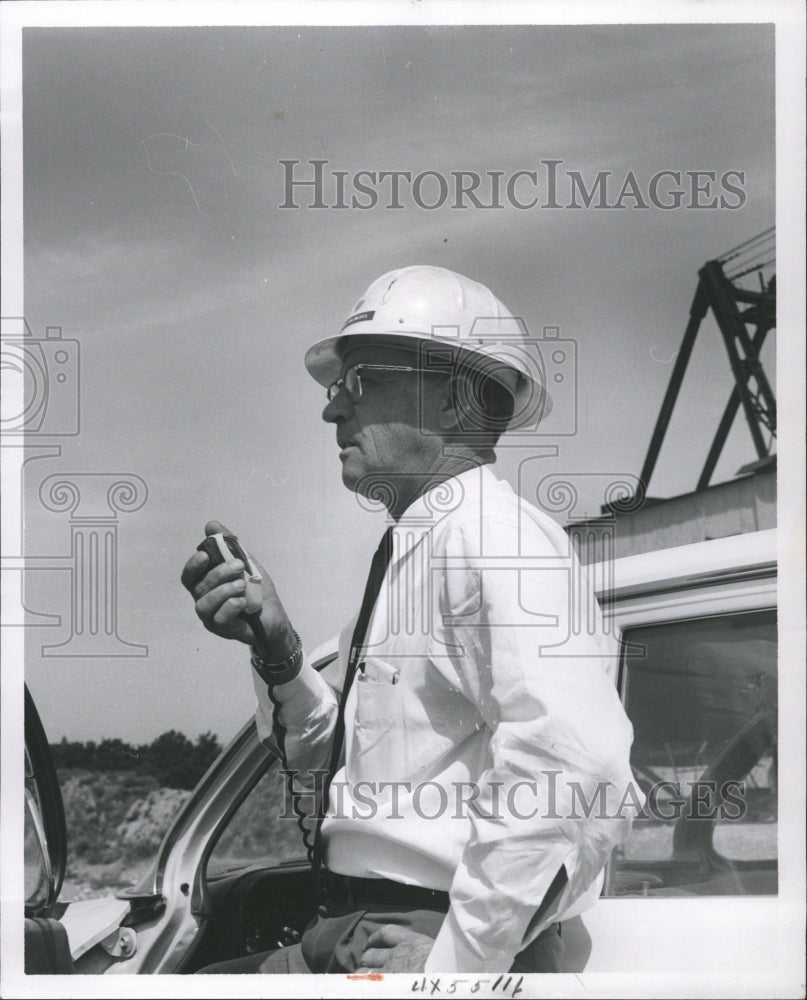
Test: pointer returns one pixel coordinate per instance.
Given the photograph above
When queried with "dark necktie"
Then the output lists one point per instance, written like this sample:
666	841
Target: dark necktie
378	568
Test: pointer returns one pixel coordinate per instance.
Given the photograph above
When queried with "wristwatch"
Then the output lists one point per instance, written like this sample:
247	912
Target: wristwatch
282	672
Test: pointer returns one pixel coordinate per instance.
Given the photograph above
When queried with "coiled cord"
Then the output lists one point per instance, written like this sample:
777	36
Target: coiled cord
294	795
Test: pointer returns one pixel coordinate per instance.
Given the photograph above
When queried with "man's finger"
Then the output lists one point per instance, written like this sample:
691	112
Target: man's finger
193	570
209	604
375	958
231	609
225	572
389	935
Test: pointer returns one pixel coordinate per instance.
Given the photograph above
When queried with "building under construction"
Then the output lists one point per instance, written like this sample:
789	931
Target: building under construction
740	290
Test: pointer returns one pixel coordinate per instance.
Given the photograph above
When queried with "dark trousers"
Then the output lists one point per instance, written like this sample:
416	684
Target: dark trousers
335	941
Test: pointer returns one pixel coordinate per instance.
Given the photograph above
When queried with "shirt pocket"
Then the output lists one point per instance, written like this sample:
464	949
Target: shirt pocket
380	745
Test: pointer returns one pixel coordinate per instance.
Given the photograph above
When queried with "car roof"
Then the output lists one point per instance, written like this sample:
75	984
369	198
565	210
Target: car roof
714	558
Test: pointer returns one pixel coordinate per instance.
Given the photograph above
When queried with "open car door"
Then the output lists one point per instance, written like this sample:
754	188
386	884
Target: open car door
56	934
47	948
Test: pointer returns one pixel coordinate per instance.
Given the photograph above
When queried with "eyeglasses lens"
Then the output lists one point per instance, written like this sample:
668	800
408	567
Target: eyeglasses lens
350	382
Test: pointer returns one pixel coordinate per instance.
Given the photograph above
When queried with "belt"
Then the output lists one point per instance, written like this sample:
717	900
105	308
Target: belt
342	890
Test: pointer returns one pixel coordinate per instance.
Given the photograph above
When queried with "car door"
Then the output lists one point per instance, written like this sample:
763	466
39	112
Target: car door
231	875
44	853
59	938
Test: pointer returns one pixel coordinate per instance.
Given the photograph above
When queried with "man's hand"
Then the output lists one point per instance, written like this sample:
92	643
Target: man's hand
219	597
393	948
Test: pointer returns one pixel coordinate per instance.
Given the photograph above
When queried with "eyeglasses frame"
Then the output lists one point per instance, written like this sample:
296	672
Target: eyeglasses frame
338	384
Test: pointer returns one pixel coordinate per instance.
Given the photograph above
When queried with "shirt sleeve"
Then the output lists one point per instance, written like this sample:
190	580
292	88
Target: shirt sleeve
534	663
307	714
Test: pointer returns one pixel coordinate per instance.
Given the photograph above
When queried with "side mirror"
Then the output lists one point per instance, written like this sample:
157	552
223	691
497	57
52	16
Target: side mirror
45	830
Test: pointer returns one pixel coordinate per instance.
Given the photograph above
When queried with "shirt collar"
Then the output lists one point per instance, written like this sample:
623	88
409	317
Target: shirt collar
437	503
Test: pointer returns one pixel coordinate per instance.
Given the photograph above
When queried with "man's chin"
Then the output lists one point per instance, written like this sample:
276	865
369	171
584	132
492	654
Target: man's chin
350	479
376	486
352	471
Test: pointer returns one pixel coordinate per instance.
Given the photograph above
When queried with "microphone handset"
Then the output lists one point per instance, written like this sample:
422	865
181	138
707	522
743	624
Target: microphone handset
221	548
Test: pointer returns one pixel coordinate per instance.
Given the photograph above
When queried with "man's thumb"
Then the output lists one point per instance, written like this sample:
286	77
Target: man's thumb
216	528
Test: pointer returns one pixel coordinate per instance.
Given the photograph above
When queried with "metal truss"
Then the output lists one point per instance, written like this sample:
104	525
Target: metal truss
744	317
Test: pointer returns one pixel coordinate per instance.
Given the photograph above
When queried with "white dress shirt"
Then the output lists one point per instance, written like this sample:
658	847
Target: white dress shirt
482	728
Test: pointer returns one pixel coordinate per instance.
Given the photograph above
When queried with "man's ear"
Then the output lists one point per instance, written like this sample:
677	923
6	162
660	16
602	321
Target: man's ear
447	415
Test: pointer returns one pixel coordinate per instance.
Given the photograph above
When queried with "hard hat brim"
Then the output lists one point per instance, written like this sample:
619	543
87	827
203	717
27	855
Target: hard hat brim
324	359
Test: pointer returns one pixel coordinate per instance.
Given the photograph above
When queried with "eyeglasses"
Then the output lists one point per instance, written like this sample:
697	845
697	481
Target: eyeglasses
351	380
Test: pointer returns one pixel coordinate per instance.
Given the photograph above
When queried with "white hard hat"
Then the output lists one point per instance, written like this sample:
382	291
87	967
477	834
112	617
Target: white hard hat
429	304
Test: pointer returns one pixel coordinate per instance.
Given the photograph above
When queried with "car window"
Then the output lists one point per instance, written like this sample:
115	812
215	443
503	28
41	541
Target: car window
263	830
702	699
755	837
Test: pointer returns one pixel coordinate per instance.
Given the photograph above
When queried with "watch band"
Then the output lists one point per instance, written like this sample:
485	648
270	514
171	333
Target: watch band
282	672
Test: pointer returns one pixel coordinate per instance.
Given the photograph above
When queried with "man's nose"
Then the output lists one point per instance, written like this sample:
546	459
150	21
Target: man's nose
337	408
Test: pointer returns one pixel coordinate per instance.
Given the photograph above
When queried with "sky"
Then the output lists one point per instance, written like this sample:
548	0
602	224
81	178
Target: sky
155	238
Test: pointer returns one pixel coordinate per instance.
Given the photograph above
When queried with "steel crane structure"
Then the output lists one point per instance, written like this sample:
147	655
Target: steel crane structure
744	317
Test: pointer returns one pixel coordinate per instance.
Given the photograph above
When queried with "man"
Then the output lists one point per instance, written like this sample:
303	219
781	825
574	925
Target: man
475	727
